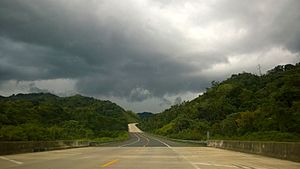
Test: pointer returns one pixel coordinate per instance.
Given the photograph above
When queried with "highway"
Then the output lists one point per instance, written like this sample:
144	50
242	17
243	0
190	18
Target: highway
143	151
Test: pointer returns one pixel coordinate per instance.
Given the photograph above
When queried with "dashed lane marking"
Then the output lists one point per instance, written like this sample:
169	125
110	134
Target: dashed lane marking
109	163
148	141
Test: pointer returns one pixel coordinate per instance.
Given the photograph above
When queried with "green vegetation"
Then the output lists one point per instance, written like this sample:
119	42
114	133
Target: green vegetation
244	107
131	117
114	136
44	116
145	115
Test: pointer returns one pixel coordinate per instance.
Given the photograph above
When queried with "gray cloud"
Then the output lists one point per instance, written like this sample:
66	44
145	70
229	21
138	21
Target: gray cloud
139	94
34	89
178	100
144	49
165	102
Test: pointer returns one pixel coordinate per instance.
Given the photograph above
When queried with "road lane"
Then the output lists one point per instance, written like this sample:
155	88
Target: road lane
143	151
140	139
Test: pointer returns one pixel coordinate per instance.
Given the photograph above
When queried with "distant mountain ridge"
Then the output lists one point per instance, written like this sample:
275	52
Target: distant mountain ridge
144	115
245	106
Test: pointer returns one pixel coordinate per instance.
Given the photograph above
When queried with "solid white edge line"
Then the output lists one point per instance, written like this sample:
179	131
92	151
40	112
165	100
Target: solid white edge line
162	142
194	165
179	155
13	161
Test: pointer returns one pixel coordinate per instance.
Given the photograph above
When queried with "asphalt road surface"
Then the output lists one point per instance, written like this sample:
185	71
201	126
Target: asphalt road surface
143	151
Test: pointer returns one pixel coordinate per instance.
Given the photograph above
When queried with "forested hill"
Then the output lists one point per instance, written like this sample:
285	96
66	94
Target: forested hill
245	106
44	116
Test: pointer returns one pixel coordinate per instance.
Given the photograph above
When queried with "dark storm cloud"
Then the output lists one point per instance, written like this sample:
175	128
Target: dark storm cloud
133	79
24	61
137	49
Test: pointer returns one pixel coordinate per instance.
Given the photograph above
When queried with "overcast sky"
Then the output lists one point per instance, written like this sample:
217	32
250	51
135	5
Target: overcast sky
142	54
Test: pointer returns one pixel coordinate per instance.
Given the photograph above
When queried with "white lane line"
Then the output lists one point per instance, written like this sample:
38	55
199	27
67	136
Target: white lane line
179	155
247	167
162	142
217	165
13	161
186	159
150	156
148	141
138	139
142	135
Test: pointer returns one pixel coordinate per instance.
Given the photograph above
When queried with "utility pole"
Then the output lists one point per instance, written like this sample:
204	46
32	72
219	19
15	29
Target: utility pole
259	69
207	135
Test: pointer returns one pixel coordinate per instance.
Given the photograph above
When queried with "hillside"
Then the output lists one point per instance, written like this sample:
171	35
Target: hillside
245	106
132	117
44	116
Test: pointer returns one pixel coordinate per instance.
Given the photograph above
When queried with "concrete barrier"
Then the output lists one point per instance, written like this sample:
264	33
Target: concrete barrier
14	147
200	142
283	150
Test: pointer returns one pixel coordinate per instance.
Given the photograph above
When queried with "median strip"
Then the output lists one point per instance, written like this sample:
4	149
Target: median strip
109	163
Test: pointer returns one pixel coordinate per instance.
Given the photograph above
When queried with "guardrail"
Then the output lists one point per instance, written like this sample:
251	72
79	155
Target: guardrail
14	147
283	150
190	141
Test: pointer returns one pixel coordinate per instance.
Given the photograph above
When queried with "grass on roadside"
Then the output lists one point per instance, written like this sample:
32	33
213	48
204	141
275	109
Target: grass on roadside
121	136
